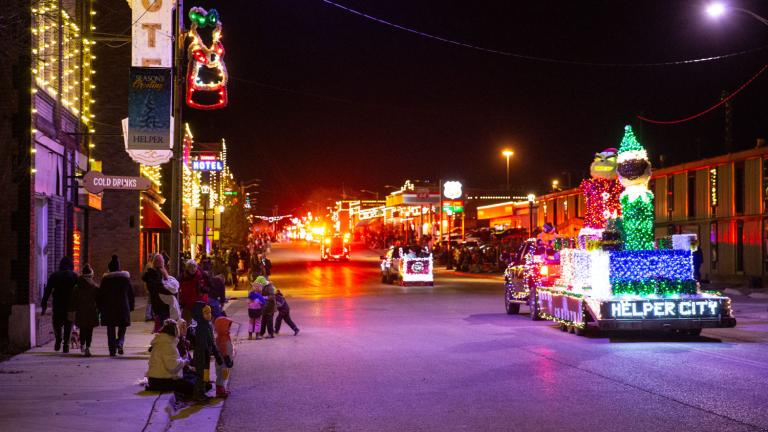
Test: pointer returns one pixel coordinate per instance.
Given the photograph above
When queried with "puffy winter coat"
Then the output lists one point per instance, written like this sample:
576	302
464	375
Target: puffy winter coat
84	302
155	287
116	299
164	360
194	288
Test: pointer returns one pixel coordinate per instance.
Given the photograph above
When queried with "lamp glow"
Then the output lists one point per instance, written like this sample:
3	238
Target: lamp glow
715	10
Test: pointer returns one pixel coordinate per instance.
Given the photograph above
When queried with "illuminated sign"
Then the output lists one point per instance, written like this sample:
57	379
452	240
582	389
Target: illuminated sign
207	165
662	309
371	213
95	182
452	190
453	206
76	248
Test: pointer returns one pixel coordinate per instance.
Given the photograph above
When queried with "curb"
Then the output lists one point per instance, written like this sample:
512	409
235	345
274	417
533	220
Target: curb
160	418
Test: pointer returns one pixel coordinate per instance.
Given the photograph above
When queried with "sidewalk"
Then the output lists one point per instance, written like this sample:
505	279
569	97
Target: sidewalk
48	391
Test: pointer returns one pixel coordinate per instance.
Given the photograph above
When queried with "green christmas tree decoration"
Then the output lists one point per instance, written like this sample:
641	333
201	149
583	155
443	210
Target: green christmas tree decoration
634	171
629	142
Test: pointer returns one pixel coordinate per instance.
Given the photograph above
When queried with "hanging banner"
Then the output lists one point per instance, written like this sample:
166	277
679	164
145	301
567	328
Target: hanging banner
149	115
152	33
148	129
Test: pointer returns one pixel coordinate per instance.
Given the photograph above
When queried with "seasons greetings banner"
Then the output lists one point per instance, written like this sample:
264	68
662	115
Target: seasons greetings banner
149	109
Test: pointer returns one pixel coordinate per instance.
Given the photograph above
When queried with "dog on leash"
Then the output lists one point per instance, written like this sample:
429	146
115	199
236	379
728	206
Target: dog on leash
74	338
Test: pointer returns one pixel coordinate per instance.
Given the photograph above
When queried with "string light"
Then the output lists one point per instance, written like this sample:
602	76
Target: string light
634	171
209	57
601	197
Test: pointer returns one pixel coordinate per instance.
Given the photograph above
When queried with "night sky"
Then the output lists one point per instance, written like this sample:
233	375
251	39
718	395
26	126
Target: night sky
320	97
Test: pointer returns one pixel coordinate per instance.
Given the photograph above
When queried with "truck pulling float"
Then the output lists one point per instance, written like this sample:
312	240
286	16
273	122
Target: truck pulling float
614	275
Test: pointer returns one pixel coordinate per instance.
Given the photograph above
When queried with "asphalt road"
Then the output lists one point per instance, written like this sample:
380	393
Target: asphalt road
374	357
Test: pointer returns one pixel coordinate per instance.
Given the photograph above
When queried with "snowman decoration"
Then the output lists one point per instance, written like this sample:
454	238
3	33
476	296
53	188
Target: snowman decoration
634	170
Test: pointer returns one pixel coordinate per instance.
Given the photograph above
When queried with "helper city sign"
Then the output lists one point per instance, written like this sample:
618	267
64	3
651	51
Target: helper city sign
662	309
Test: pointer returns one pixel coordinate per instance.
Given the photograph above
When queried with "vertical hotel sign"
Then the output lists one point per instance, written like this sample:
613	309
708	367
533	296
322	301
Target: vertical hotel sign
148	138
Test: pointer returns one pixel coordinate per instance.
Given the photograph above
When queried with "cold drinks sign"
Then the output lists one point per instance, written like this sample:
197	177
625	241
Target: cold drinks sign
95	182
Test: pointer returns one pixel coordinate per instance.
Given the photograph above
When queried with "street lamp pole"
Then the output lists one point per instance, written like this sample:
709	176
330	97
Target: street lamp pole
507	154
531	200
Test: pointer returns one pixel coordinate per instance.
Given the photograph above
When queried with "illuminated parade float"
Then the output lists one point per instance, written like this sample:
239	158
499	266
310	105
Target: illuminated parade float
614	275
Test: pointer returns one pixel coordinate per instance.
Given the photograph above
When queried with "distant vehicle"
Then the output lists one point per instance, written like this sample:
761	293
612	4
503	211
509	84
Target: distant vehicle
335	248
408	265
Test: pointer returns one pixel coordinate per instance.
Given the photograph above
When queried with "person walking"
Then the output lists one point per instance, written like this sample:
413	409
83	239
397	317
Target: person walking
268	311
155	277
84	305
60	285
116	302
283	314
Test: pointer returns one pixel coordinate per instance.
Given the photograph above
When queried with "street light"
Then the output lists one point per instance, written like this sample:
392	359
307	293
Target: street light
555	184
716	10
531	200
507	154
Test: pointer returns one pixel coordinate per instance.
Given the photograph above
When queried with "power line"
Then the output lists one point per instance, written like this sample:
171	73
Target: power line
722	101
537	58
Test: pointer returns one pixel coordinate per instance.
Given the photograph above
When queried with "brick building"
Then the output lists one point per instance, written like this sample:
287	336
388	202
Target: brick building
45	80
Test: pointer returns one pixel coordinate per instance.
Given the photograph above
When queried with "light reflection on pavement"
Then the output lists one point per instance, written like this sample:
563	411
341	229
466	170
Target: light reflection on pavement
375	357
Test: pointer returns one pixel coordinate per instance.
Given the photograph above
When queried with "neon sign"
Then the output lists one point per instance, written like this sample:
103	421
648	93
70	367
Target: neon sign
76	248
207	165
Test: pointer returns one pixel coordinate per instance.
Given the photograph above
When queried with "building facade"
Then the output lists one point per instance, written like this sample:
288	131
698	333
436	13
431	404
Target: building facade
45	143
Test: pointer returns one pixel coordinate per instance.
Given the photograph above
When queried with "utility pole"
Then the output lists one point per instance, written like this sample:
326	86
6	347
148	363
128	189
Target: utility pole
178	130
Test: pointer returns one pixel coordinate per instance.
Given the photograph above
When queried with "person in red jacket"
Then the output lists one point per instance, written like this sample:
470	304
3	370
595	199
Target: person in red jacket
194	288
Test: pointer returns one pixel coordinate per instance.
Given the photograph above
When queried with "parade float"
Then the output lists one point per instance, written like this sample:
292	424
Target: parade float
615	275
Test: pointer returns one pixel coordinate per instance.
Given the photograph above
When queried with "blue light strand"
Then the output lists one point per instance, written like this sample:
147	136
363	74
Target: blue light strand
645	265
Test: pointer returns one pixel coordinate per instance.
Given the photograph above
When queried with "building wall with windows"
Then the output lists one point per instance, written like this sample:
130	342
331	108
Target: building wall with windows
44	148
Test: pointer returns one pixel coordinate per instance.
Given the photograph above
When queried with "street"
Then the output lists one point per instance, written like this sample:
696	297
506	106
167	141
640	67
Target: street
379	357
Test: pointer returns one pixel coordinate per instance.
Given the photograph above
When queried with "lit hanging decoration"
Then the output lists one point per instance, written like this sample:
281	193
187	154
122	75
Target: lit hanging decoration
206	72
634	171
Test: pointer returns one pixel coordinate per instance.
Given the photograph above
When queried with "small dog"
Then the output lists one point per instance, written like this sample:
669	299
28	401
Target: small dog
74	338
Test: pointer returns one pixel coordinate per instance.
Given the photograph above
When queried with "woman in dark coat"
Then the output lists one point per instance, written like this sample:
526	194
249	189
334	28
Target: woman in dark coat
60	285
83	304
116	303
154	277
